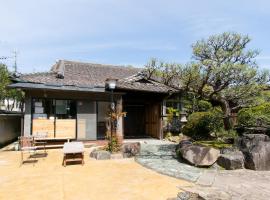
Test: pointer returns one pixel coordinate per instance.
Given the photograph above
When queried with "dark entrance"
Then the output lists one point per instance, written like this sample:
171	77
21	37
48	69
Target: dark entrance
134	122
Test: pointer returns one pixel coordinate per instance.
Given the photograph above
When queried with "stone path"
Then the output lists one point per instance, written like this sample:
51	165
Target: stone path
210	183
161	158
171	167
239	184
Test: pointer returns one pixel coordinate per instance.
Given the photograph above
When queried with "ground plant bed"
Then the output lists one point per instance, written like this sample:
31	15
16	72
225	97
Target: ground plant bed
128	150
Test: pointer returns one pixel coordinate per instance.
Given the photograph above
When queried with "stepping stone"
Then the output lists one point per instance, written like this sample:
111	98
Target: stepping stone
207	178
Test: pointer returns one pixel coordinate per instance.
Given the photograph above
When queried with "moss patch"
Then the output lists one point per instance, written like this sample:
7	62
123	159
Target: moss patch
213	143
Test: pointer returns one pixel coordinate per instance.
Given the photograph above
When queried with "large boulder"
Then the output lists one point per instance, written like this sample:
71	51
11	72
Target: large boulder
228	150
199	155
131	149
247	141
256	150
258	156
100	155
231	160
183	143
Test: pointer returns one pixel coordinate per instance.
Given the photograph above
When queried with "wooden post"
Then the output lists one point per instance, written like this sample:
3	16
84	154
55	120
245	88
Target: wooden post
119	128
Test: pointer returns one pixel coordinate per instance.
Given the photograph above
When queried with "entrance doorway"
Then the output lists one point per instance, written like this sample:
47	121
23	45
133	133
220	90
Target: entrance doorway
134	122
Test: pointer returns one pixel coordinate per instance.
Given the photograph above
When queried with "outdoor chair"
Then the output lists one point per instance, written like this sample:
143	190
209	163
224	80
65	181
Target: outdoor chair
27	145
38	140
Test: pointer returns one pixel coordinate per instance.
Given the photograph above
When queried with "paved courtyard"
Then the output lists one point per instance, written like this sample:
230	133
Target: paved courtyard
113	179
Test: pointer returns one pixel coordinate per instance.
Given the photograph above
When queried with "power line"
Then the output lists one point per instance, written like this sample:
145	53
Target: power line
5	58
12	57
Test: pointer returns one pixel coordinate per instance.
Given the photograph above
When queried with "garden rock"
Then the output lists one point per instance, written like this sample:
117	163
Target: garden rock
203	193
188	196
131	149
228	150
199	155
183	143
232	160
247	141
116	156
100	155
256	150
258	156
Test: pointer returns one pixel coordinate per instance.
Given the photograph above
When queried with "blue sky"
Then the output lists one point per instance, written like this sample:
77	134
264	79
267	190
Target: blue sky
123	31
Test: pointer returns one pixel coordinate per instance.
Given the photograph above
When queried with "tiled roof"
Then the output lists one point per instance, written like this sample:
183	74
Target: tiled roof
77	74
139	82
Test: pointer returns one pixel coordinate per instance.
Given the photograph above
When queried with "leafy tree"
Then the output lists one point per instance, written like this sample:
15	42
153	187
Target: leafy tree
255	116
9	94
223	71
226	72
168	73
4	81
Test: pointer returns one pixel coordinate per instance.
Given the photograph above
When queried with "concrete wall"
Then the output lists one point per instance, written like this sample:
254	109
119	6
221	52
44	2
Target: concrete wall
10	128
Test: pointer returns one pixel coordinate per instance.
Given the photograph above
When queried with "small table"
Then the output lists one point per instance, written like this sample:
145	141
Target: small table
73	151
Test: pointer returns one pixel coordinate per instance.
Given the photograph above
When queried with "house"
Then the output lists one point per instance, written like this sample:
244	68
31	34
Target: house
10	105
71	100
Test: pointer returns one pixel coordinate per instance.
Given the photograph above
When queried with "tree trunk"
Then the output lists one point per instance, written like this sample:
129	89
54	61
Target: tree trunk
227	114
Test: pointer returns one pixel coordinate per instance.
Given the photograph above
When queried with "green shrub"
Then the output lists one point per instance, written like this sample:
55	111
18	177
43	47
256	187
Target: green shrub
201	125
255	116
113	145
204	106
224	134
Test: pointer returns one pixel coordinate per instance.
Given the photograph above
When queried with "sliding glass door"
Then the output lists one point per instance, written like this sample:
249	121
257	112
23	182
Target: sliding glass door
43	117
65	118
54	118
61	118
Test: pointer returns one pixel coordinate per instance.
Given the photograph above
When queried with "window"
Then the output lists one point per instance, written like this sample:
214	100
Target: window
56	118
65	118
43	117
171	104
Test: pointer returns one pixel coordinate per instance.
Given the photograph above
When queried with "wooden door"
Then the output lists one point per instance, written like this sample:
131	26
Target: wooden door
153	120
134	122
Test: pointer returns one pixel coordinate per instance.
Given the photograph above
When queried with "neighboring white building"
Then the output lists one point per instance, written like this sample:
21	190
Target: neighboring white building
10	105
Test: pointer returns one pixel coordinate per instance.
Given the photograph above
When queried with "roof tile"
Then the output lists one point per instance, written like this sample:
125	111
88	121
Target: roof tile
70	73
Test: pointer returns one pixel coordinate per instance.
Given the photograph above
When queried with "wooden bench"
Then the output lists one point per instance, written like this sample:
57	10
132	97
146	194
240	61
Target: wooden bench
73	151
45	142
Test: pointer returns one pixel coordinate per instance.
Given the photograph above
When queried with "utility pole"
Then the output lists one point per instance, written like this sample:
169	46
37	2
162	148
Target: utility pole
15	52
15	60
